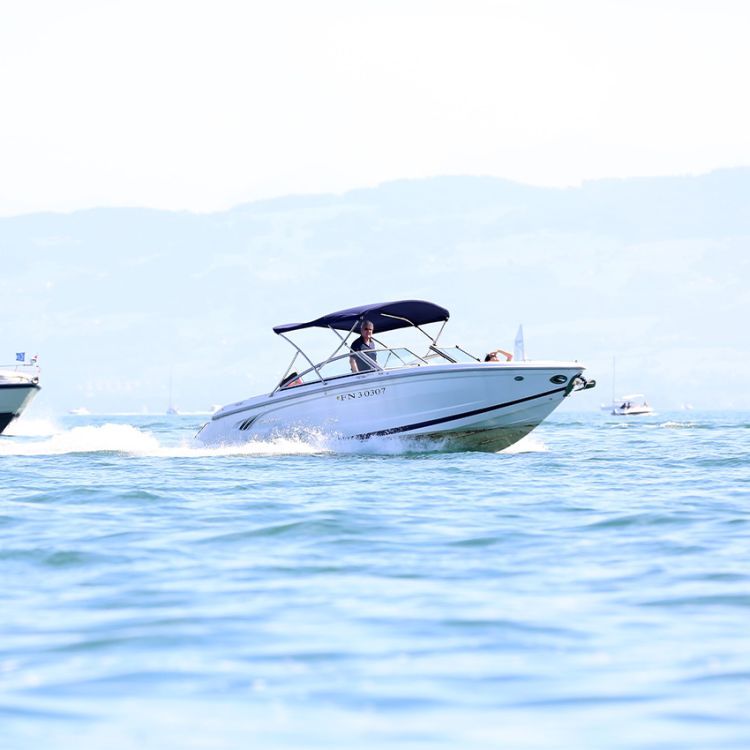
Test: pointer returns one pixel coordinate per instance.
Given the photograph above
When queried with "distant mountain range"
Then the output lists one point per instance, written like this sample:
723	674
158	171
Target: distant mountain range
651	270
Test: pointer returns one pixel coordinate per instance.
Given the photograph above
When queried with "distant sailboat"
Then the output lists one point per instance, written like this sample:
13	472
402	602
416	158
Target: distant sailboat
630	405
171	408
519	350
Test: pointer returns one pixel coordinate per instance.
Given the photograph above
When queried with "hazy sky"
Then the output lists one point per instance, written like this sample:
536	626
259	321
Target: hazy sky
203	105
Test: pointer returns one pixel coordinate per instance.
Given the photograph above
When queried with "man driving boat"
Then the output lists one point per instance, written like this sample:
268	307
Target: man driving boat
364	361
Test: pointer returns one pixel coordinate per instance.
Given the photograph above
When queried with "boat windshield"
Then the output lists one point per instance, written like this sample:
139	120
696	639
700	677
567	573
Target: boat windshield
21	373
452	354
338	367
387	359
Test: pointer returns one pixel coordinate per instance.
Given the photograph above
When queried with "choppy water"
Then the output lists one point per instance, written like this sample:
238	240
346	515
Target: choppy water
589	588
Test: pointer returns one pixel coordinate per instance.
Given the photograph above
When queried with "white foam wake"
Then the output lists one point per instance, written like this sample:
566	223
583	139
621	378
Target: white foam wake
527	444
45	438
86	439
130	440
31	427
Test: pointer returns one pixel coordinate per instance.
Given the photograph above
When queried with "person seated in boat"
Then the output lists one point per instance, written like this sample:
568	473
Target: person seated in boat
365	356
494	356
291	380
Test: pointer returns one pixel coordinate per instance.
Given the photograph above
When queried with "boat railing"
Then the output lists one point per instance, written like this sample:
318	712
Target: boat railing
21	372
340	366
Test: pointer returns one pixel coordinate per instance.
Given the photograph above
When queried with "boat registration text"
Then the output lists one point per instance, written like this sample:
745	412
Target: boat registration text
361	394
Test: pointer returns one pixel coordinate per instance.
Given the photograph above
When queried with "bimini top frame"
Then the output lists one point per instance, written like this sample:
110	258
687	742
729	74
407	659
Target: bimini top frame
386	316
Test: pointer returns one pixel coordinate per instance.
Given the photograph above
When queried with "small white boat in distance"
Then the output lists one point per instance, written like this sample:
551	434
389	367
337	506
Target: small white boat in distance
443	393
18	385
634	404
171	409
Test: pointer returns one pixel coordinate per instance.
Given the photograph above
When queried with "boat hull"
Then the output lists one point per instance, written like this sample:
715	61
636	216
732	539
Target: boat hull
465	407
633	411
14	398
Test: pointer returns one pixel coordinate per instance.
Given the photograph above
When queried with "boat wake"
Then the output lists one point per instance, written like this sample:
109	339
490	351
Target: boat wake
34	441
130	440
45	438
672	425
528	444
30	427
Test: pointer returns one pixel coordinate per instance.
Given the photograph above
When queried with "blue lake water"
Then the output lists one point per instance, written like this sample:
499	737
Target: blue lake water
588	588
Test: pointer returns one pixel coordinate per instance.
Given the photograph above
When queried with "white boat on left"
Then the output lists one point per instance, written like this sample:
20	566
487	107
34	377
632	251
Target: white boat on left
19	383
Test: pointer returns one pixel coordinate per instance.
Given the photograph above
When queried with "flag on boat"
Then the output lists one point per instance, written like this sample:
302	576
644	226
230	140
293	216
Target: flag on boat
20	356
518	352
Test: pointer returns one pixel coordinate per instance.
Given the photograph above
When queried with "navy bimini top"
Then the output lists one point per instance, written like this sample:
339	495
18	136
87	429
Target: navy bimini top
387	316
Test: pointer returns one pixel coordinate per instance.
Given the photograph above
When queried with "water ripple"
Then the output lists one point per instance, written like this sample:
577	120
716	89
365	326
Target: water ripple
587	590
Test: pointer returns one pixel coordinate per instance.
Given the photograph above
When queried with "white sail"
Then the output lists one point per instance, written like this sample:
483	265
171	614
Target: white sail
519	353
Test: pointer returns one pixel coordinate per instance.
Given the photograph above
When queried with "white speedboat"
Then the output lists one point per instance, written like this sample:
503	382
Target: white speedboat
18	385
634	404
443	394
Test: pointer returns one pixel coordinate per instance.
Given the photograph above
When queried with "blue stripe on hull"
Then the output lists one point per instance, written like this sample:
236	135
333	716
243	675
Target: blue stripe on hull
5	420
454	417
